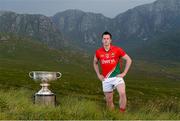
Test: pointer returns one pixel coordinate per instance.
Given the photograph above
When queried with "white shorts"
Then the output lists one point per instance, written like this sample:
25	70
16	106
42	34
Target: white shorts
109	84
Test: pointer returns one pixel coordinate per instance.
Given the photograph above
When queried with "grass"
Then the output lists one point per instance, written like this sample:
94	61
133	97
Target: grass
18	105
152	88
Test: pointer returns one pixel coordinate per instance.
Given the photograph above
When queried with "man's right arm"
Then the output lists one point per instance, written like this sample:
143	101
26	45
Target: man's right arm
96	68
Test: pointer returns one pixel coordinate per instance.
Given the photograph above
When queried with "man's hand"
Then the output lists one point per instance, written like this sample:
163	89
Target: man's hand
101	77
122	75
96	68
127	66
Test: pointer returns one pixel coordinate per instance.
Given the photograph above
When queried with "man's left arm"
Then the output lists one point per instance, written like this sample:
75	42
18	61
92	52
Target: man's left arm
127	66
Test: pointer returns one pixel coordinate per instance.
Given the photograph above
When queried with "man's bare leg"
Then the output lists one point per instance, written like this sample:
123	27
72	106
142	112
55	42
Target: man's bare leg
122	97
109	100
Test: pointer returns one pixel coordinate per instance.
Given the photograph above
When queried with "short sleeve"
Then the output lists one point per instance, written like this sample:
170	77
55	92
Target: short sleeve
97	54
121	52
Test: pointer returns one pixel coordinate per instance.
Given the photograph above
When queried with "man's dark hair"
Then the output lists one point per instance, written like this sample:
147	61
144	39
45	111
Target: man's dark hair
107	33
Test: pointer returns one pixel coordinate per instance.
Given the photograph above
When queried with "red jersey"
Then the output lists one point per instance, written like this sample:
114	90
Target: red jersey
109	60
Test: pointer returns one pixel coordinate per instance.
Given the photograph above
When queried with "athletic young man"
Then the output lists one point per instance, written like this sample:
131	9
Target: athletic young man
111	77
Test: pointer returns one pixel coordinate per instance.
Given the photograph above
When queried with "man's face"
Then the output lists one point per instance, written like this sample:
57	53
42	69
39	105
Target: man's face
106	40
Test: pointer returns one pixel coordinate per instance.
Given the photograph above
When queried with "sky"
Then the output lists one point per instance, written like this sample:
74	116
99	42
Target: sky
109	8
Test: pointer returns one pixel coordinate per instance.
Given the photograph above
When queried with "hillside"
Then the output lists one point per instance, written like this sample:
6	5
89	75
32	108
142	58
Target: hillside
146	82
166	47
20	55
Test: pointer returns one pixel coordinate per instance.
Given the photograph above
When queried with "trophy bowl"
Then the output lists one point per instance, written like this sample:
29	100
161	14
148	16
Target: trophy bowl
44	77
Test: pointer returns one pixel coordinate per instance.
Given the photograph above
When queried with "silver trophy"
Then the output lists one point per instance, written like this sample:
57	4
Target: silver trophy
44	77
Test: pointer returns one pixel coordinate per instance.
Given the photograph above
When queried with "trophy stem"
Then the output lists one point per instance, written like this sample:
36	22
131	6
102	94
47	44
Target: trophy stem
44	90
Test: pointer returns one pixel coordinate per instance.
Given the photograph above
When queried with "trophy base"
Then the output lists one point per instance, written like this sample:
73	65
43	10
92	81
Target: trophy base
48	100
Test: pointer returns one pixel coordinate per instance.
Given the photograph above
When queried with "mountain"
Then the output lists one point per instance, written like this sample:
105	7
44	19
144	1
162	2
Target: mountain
145	21
142	26
151	30
136	30
83	27
141	22
38	27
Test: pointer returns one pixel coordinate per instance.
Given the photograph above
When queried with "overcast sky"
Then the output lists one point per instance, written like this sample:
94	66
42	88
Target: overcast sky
109	8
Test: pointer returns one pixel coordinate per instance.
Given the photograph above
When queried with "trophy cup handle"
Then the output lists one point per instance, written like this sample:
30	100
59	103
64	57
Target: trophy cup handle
31	74
59	75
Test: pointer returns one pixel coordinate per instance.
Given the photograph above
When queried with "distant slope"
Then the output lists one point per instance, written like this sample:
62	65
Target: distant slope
165	47
19	56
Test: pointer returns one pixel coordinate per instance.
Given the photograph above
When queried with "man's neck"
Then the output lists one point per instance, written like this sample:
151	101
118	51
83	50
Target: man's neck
107	47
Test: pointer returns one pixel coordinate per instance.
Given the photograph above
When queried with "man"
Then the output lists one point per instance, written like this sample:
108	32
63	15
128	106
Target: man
111	77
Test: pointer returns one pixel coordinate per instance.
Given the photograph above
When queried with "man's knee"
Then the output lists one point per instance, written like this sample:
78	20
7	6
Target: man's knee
109	99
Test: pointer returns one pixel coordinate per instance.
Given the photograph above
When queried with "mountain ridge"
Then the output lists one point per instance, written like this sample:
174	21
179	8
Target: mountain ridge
132	30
